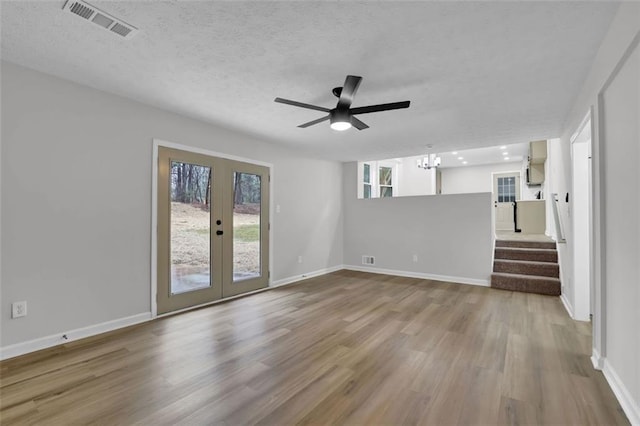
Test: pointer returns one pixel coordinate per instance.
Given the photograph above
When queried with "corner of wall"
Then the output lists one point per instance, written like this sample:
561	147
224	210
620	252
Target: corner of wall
622	393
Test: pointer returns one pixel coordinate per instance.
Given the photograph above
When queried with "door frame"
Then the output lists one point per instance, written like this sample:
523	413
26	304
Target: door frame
154	217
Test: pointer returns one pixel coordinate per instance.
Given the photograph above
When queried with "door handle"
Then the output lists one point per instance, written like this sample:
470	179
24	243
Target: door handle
219	232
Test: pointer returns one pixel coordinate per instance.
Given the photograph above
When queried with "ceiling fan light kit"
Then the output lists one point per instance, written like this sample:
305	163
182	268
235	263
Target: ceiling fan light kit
342	116
340	120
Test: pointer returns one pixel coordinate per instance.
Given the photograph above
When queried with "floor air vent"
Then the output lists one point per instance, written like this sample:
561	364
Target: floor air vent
97	16
368	260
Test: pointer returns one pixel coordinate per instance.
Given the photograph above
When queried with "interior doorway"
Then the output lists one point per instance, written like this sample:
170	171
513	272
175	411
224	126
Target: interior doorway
581	213
506	191
212	228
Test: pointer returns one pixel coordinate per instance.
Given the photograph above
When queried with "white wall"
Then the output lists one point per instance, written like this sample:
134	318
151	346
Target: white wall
616	199
415	180
558	177
463	180
76	202
450	234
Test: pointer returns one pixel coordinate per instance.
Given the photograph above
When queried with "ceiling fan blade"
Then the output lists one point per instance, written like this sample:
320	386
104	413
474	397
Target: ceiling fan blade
311	123
351	84
381	107
301	105
358	124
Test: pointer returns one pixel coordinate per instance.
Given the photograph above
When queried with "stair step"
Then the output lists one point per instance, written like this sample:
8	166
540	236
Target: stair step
527	267
526	283
526	244
536	255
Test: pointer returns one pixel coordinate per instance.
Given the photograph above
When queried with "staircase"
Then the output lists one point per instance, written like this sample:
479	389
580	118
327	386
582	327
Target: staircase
527	266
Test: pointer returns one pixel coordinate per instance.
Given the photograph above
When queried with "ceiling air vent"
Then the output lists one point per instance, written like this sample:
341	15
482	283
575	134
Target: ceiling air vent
97	16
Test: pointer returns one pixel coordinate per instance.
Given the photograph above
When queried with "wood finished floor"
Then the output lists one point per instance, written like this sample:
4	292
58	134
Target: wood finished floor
344	348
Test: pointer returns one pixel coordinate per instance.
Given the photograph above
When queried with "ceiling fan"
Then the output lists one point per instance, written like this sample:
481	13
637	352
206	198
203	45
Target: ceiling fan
342	116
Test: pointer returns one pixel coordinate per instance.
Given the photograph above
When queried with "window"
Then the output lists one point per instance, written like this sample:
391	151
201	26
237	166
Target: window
377	179
366	181
506	189
386	182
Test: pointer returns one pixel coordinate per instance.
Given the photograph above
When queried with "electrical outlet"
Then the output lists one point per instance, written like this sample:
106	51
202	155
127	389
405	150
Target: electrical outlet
299	259
19	309
368	260
415	257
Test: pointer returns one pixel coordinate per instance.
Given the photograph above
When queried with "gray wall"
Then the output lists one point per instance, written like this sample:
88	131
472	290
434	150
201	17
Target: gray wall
622	222
616	199
451	234
76	202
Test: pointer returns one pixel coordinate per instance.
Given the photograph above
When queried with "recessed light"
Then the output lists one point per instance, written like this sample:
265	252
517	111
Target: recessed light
460	158
506	158
505	153
503	147
464	162
455	152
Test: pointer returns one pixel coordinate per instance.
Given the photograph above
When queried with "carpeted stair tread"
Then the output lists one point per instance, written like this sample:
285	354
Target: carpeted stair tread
526	267
526	283
532	254
526	244
534	278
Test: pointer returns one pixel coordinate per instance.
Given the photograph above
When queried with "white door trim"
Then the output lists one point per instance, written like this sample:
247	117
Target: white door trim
154	207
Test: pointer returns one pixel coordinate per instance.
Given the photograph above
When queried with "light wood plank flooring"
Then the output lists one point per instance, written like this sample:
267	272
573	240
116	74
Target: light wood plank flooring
344	348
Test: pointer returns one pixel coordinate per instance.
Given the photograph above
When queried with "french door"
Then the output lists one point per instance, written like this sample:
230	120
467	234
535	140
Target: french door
213	228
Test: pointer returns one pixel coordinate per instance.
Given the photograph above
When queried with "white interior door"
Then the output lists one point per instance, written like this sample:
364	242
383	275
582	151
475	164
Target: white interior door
506	191
581	209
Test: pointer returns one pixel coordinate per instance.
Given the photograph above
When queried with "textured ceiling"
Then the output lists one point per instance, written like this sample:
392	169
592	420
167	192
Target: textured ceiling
477	73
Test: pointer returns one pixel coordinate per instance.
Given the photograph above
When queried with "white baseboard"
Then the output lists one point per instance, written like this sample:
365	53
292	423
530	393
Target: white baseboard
426	276
567	305
22	348
296	278
597	360
79	333
629	406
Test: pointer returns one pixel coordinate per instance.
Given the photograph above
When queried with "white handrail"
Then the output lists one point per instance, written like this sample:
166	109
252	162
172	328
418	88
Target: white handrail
556	218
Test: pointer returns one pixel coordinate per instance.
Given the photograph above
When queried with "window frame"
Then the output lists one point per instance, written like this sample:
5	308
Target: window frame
382	186
366	184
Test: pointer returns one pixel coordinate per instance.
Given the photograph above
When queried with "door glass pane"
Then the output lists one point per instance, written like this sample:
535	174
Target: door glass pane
246	226
506	189
190	227
367	173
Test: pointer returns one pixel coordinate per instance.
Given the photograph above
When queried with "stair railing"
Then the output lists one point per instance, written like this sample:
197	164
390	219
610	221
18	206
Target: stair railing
557	219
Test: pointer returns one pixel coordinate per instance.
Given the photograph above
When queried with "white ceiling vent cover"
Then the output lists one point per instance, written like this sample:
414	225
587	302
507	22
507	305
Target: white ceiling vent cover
97	16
